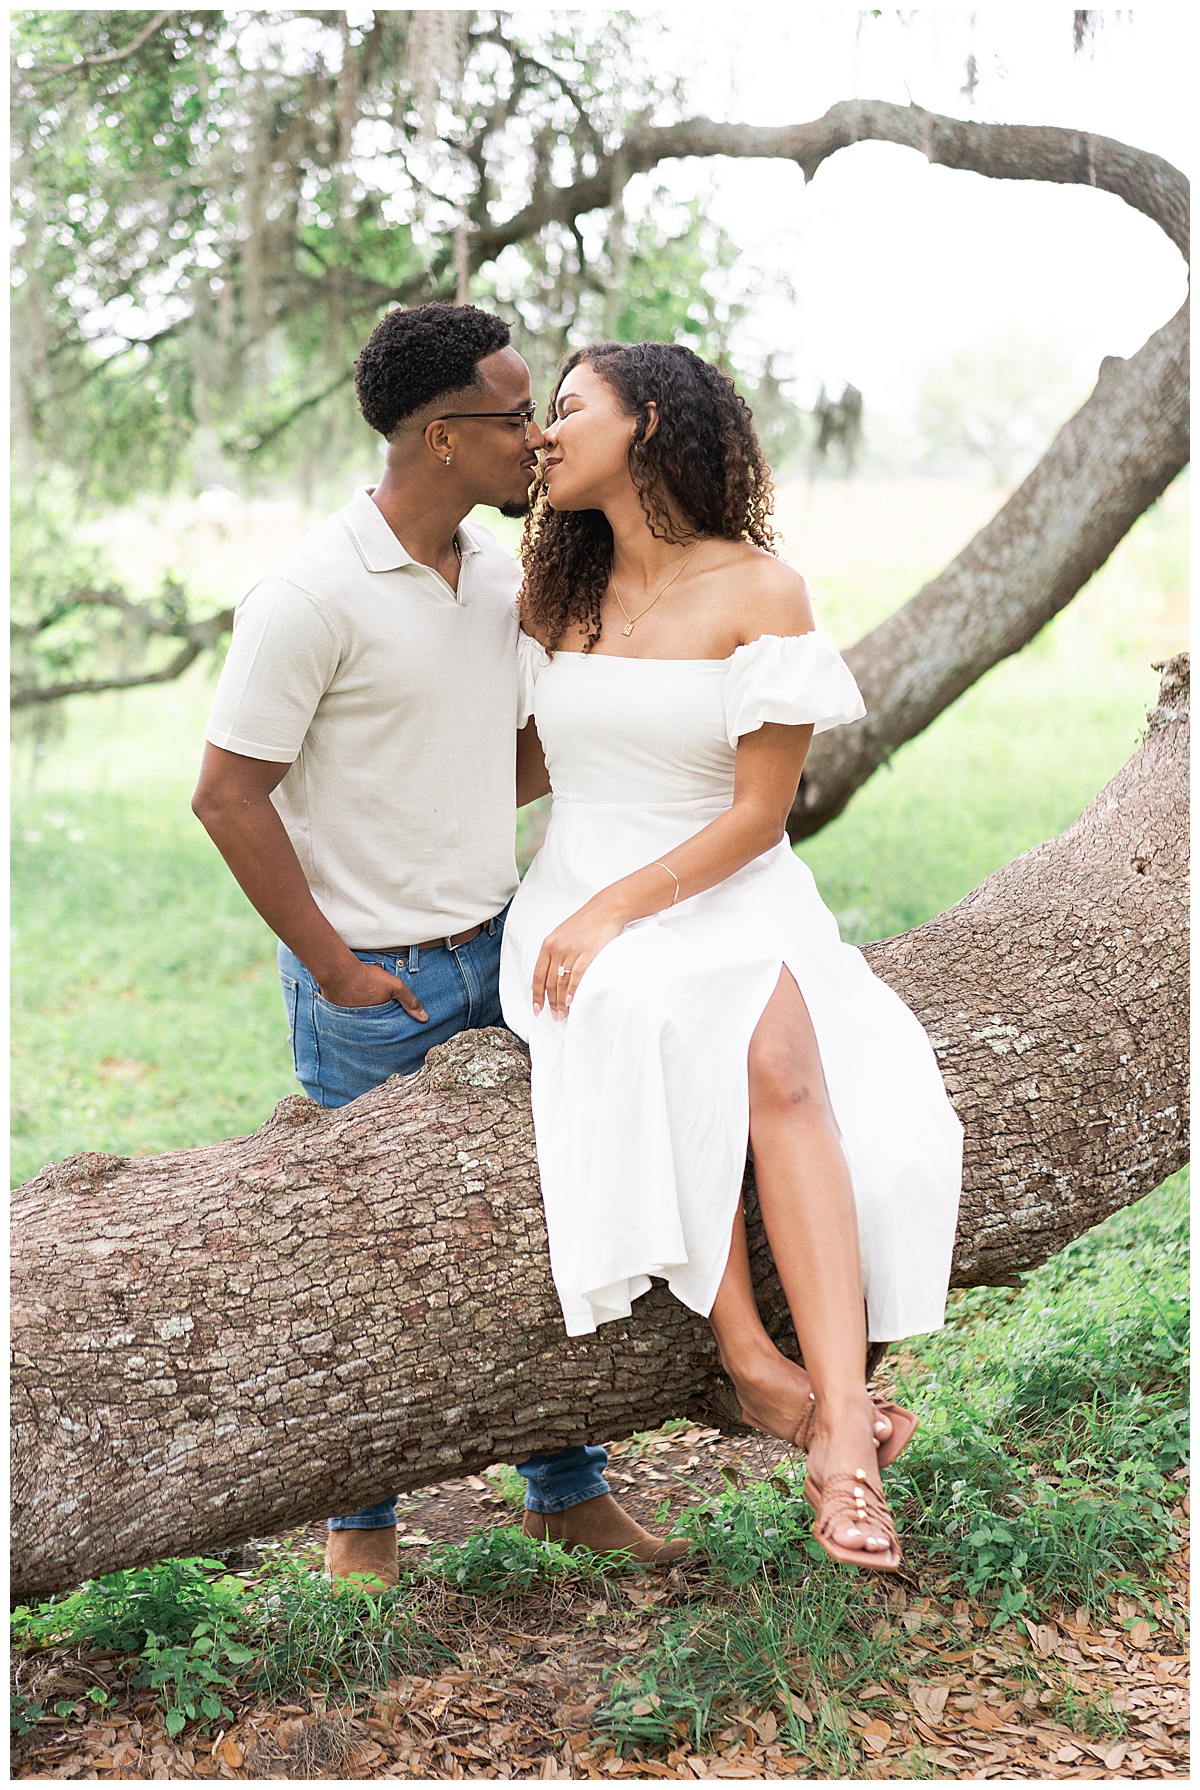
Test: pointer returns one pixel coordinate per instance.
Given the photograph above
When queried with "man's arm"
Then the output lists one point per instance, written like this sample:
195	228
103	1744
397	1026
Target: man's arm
533	779
233	804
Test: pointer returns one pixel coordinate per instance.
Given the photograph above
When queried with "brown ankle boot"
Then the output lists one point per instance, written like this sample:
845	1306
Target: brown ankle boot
369	1553
601	1526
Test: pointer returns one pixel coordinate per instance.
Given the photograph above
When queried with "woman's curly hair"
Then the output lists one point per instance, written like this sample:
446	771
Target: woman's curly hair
701	473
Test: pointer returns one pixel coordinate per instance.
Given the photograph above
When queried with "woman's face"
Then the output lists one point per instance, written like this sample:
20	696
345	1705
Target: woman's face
587	446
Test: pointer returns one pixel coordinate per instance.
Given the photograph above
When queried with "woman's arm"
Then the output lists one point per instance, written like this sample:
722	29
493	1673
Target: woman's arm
766	772
533	779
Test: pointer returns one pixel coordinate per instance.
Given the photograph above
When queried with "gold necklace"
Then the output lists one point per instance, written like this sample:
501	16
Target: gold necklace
631	619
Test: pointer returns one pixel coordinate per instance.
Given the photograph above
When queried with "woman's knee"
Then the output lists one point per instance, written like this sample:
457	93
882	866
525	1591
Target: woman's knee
787	1083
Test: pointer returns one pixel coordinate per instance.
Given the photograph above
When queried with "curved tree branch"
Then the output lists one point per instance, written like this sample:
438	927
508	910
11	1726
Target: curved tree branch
214	1343
109	57
1000	151
197	636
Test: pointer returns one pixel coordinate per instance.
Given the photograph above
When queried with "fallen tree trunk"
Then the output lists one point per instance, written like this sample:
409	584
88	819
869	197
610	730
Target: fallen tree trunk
218	1343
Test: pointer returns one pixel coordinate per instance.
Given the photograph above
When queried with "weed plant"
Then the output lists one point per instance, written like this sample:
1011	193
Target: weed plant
310	1634
503	1563
200	1638
1051	1420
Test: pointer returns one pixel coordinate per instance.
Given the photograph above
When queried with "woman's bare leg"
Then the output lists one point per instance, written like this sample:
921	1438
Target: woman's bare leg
808	1209
773	1391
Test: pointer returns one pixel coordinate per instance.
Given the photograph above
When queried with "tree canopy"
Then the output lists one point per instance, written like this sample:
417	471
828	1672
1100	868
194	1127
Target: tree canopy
214	207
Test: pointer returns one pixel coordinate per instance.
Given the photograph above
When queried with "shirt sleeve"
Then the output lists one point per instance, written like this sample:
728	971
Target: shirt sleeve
281	660
798	679
532	659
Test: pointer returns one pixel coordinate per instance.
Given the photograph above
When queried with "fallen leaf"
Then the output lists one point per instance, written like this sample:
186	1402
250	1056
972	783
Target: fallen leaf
766	1727
928	1700
1139	1634
876	1735
1115	1757
231	1753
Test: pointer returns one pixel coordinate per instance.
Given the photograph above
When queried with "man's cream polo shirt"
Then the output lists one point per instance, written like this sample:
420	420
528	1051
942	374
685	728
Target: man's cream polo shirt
394	701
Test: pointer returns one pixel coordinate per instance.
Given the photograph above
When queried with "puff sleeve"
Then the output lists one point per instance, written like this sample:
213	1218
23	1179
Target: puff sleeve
796	679
532	660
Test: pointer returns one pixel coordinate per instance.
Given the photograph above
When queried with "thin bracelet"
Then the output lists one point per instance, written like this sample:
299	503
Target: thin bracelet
659	865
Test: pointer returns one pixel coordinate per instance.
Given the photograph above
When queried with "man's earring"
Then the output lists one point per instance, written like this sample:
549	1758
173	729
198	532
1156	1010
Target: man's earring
446	461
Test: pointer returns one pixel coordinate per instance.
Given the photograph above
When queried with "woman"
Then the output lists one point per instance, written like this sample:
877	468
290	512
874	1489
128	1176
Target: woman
682	988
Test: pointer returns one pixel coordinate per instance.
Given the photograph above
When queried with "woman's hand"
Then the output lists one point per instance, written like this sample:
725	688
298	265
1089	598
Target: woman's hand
566	953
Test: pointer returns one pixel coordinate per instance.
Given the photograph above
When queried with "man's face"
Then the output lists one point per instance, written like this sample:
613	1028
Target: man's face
495	457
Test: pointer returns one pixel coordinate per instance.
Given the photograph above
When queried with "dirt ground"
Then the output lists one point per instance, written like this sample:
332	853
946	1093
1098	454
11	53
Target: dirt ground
520	1702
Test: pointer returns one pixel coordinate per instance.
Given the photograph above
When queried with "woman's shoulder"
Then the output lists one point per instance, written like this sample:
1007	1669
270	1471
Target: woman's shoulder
771	596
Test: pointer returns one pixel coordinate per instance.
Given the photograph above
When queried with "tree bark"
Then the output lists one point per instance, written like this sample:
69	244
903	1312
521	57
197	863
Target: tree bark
218	1343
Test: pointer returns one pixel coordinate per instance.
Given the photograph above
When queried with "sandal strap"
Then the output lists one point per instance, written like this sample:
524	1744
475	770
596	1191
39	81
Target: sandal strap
839	1504
804	1427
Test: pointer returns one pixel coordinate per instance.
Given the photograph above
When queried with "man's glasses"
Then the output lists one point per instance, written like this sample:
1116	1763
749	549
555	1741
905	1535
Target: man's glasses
525	415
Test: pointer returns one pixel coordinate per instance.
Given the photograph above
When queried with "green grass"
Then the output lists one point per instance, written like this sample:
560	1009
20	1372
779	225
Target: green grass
1052	1420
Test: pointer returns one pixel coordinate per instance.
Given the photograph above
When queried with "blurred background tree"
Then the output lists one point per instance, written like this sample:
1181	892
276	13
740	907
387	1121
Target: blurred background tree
213	208
994	405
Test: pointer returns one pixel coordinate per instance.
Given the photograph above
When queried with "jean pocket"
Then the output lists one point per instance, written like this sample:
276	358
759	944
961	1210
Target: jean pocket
359	1047
351	1012
291	994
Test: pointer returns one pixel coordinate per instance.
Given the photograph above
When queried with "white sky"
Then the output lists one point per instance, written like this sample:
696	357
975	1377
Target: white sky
896	263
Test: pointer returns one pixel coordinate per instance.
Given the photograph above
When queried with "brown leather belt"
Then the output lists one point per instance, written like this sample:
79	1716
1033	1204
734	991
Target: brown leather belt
456	939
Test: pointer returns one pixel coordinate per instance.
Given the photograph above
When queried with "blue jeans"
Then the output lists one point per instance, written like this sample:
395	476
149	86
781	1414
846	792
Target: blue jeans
342	1052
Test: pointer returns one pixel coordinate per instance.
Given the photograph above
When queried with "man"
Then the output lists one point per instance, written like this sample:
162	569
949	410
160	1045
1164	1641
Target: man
358	778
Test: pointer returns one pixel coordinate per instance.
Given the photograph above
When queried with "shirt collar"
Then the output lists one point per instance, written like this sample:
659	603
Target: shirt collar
379	549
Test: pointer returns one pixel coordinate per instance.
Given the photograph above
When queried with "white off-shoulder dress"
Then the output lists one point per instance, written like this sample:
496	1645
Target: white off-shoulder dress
640	1096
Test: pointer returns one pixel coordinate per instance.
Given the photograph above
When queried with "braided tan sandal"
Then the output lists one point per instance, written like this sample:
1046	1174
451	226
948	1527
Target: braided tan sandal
851	1498
905	1425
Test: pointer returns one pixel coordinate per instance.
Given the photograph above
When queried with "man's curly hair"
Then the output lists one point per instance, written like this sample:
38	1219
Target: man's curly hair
703	465
415	356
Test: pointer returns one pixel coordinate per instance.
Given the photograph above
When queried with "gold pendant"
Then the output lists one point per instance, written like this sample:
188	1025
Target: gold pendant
628	629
